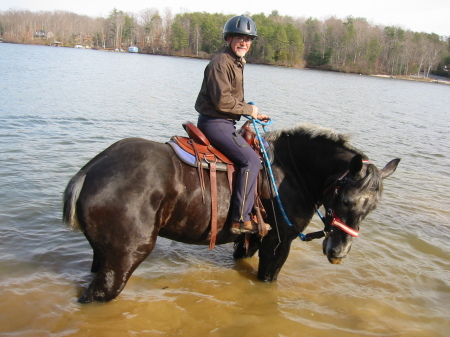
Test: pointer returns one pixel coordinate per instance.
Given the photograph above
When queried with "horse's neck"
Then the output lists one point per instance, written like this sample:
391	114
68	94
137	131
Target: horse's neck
310	166
303	168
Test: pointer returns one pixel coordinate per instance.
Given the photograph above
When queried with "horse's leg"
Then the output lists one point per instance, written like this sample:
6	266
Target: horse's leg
272	255
115	270
114	262
96	261
240	249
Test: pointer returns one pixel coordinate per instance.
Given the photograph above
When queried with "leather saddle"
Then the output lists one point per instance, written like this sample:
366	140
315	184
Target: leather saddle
197	151
197	147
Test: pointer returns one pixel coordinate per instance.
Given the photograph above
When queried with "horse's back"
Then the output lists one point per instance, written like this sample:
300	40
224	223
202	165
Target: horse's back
130	159
135	156
143	182
119	180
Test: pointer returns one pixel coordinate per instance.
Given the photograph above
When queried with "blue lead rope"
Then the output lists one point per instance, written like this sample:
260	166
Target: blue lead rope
269	168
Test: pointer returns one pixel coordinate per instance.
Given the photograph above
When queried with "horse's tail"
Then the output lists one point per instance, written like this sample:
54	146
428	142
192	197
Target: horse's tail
71	194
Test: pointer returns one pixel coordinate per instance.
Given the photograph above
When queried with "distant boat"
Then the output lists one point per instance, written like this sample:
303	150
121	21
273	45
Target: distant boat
133	49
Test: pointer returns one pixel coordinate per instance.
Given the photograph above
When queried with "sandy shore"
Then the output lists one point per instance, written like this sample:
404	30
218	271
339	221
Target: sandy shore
441	80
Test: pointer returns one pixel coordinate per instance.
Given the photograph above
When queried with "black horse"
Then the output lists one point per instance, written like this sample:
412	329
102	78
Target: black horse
137	190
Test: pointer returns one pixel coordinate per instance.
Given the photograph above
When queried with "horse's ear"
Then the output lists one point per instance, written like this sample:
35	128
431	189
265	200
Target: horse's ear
356	165
389	168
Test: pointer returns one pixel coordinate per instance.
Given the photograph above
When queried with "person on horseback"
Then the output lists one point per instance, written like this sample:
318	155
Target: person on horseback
220	104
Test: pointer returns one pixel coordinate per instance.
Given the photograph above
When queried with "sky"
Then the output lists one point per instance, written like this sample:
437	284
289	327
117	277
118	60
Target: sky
430	16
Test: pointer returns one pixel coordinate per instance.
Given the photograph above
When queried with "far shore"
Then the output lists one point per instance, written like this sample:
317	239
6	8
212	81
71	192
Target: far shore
432	79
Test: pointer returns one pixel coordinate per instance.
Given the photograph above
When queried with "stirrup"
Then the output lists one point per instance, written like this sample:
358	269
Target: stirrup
242	229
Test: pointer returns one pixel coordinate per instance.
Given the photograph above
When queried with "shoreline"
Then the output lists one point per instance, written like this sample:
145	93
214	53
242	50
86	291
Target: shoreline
414	78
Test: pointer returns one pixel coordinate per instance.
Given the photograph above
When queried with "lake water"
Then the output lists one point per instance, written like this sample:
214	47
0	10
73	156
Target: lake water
59	107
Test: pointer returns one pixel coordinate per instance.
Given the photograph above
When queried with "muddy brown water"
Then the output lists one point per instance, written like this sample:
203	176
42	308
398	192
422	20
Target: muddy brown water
57	114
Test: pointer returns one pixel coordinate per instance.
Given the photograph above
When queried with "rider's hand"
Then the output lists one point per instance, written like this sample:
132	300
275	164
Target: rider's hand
256	115
263	117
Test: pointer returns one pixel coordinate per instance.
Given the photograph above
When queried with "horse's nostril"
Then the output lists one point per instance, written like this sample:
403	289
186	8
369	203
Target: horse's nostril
333	252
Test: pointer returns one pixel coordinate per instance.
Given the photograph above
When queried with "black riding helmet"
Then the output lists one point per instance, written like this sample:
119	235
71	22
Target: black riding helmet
240	25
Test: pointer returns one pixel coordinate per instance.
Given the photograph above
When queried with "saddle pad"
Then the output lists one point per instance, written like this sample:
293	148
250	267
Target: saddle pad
190	159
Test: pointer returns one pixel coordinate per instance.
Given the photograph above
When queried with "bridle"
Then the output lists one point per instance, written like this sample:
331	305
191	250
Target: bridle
331	219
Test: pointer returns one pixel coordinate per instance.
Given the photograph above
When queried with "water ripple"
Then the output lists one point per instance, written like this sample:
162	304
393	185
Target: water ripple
395	281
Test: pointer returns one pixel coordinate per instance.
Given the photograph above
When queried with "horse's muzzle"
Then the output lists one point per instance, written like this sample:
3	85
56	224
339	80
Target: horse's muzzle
335	260
335	250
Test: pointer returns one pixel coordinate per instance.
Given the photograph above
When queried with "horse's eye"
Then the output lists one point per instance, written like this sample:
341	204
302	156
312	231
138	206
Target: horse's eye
346	202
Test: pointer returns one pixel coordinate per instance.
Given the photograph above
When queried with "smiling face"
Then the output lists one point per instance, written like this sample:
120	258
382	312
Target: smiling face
240	45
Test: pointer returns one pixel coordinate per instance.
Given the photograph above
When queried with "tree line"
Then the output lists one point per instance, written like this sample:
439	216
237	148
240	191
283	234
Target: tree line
347	45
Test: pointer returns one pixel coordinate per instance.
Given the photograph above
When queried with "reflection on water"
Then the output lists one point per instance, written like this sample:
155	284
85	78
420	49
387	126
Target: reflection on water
54	118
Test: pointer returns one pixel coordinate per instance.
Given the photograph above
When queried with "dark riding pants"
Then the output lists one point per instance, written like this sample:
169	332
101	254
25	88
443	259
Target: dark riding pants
222	135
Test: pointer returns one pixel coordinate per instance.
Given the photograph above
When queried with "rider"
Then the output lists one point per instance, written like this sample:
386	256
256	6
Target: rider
220	104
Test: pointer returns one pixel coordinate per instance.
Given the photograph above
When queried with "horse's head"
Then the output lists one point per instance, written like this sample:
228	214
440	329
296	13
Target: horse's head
348	201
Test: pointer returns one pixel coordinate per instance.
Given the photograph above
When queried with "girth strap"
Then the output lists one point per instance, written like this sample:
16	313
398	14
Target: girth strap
230	173
199	170
213	183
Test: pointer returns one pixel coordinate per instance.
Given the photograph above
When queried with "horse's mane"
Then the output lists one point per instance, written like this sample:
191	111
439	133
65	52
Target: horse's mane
313	131
372	180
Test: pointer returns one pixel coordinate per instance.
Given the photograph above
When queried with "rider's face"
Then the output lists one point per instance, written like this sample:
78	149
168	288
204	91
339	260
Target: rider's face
240	45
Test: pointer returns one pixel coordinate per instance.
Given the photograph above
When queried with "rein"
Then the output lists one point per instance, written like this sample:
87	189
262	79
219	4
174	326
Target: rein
271	176
331	219
302	236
